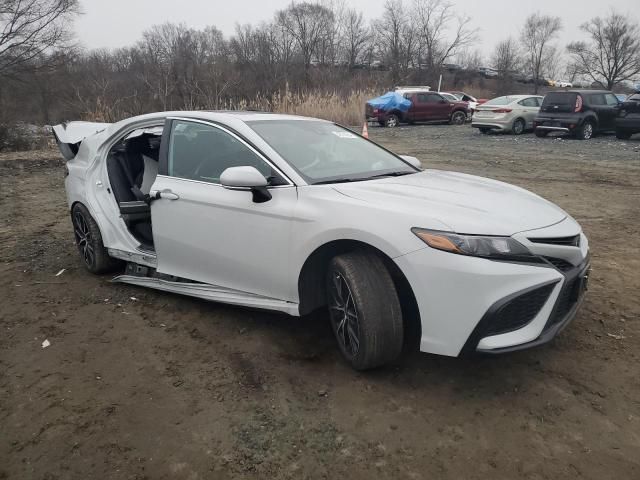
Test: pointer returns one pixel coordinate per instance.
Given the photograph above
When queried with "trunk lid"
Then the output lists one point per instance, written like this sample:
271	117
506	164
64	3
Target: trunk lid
70	135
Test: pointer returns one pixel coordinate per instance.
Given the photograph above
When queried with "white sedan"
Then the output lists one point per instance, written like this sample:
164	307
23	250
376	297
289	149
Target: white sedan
296	214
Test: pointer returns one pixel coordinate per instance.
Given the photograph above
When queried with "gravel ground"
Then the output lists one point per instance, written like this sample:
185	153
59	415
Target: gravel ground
141	384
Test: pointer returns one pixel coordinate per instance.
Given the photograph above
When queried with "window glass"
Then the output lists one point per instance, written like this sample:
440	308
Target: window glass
597	99
422	98
611	99
433	98
202	152
500	101
528	102
324	152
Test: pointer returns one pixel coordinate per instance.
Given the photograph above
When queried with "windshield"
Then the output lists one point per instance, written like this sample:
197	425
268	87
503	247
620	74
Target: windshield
323	152
501	101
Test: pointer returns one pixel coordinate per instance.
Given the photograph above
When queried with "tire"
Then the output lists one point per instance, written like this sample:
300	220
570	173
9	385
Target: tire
458	118
586	130
89	242
541	133
361	295
392	121
518	126
485	130
623	135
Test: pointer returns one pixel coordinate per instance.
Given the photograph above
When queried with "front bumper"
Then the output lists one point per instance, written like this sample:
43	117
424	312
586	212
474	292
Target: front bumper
460	298
563	309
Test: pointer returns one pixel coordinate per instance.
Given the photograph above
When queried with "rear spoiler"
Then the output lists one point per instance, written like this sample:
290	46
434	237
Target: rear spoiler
70	135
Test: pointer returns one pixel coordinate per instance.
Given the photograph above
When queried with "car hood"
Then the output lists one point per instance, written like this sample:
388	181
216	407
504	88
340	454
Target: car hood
466	203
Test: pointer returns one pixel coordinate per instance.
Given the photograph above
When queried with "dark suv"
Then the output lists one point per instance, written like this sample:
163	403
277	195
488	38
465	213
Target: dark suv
581	113
628	121
426	106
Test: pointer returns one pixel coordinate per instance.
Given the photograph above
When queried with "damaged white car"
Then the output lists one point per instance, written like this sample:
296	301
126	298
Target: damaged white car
296	214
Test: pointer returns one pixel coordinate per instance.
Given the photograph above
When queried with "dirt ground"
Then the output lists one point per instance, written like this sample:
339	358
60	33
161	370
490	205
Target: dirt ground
142	384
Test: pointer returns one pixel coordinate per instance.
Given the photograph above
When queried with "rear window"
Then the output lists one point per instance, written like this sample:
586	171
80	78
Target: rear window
500	101
560	98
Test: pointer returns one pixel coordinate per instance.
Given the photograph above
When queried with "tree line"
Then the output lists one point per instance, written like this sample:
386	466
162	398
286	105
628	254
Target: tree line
307	46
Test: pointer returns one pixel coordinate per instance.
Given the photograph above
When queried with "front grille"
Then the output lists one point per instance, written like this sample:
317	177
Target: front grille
560	264
519	311
573	241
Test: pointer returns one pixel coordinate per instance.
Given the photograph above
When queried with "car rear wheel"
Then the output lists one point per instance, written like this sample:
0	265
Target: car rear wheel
586	131
364	310
541	133
623	135
518	126
392	121
89	242
458	118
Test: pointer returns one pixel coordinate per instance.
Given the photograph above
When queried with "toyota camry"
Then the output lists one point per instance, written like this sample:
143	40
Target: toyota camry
296	214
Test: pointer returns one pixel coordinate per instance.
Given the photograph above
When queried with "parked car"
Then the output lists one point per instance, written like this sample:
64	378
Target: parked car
472	101
295	214
488	72
452	67
581	113
628	120
426	106
511	113
563	84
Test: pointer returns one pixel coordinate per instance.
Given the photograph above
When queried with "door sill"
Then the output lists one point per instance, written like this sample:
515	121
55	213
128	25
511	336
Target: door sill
212	293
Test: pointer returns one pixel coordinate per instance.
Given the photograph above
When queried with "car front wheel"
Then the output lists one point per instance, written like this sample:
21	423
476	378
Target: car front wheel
364	310
89	242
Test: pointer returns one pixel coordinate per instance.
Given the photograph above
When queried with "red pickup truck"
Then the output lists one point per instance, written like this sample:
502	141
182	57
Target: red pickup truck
426	106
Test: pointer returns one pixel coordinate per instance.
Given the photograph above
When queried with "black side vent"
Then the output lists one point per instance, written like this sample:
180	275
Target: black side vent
560	264
519	311
573	241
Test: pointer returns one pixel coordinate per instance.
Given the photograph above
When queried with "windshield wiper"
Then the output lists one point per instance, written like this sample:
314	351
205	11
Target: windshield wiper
391	174
362	179
341	180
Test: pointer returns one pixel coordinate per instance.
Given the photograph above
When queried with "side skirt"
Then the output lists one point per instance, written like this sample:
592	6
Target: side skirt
212	293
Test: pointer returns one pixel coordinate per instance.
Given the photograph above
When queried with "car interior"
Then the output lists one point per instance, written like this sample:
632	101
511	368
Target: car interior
132	165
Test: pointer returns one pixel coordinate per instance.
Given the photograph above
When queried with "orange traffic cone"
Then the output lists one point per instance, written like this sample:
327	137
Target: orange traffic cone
365	131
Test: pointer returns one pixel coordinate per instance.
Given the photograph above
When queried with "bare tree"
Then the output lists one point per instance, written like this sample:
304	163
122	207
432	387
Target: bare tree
307	23
355	36
470	59
443	34
29	29
612	53
536	37
392	31
506	56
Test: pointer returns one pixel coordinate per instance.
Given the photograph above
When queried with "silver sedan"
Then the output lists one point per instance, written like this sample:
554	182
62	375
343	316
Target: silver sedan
511	113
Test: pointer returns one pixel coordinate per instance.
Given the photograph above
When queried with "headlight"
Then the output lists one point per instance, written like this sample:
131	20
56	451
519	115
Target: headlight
498	248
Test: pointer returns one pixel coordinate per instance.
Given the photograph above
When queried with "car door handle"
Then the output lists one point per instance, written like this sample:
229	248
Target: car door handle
166	194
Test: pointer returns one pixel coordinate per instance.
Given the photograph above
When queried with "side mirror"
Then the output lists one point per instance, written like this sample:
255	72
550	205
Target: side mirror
413	161
246	178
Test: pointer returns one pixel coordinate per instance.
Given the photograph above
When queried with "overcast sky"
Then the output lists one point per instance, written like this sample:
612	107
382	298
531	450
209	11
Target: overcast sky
117	23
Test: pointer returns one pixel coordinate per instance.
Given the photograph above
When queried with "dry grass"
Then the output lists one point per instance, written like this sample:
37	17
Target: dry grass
344	109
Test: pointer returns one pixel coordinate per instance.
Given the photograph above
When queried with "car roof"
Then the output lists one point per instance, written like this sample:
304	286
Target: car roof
582	91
